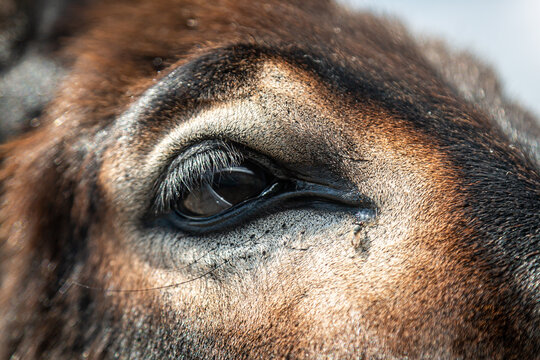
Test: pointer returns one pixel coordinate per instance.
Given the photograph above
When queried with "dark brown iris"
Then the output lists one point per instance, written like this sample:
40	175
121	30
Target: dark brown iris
229	187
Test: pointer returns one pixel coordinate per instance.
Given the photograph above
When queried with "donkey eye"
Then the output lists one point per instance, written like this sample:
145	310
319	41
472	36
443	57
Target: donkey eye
226	188
216	186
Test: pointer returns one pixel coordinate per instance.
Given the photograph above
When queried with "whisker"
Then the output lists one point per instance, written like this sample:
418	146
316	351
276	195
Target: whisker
76	283
152	288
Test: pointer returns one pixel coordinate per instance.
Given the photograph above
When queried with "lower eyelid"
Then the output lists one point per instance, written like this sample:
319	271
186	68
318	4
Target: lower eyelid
278	197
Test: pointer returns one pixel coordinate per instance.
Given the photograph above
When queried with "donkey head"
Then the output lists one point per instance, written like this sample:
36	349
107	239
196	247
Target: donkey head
268	179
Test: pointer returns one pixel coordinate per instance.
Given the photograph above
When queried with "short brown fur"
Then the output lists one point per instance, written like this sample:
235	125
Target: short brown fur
451	265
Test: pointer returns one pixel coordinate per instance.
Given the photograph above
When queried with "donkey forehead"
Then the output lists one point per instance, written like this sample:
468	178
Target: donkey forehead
340	88
212	75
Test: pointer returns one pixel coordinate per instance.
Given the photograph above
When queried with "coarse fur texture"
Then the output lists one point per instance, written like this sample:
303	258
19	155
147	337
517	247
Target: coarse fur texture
446	265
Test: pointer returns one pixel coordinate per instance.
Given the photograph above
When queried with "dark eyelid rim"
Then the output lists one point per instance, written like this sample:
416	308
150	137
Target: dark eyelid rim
276	196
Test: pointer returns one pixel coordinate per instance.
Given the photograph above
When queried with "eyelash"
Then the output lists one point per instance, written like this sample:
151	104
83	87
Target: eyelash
194	168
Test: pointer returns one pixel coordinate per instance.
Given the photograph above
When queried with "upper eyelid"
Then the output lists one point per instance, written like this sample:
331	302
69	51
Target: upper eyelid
228	121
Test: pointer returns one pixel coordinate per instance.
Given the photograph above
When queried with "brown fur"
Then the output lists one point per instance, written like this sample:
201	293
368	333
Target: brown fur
449	268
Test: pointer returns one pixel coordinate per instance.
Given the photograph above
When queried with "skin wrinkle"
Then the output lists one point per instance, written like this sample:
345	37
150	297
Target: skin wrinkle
449	270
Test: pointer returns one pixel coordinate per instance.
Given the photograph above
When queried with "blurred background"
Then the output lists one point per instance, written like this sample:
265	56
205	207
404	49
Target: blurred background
502	33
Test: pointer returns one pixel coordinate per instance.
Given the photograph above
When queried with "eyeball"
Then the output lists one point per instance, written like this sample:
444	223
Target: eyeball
228	187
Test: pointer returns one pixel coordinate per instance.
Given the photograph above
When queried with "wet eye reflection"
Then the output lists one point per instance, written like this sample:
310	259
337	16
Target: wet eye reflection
227	188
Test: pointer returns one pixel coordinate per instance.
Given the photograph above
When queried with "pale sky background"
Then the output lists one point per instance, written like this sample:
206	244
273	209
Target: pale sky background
503	33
